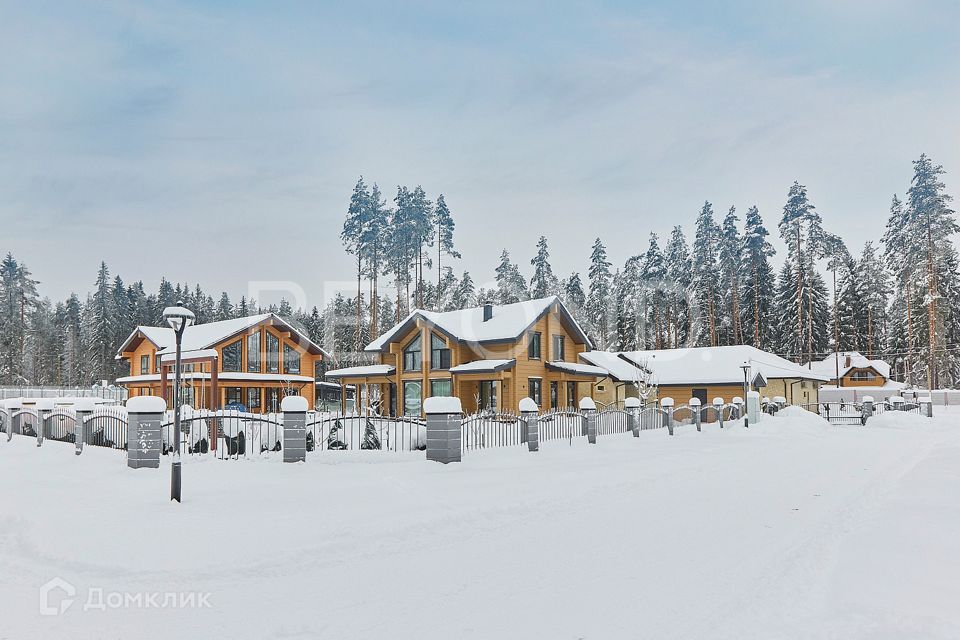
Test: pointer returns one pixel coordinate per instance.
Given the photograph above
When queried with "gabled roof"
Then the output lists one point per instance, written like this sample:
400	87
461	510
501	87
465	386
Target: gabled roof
828	366
205	336
717	365
619	369
508	323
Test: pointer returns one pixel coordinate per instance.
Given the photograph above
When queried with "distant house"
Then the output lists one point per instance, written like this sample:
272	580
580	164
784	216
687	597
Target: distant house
253	361
853	369
621	381
488	356
711	372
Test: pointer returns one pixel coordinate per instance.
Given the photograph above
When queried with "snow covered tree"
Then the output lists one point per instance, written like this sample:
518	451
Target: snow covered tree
705	284
465	295
653	296
757	283
599	300
511	287
679	276
445	226
731	265
543	283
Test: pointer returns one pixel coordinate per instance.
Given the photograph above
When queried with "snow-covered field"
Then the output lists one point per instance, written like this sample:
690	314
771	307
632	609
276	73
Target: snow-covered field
791	529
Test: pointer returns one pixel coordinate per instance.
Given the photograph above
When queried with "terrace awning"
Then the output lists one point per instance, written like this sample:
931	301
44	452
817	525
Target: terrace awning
483	366
578	369
365	371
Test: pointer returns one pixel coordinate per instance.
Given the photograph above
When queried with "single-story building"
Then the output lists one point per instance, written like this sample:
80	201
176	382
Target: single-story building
622	379
852	369
718	372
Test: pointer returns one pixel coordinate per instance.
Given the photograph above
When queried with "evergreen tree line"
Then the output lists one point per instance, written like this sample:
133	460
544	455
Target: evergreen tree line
897	301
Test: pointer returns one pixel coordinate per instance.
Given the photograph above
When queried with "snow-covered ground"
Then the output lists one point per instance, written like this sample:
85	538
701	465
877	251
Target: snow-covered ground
791	529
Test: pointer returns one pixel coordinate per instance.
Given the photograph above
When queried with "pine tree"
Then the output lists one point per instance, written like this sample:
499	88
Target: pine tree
465	295
679	280
354	236
224	308
731	265
875	292
706	283
756	306
653	299
445	226
599	301
543	283
100	327
511	287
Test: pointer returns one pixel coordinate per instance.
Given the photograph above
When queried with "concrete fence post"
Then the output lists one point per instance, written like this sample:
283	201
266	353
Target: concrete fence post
897	403
718	405
632	407
589	410
44	409
444	429
667	405
83	409
738	403
867	409
529	413
14	406
294	410
695	407
144	416
753	406
926	406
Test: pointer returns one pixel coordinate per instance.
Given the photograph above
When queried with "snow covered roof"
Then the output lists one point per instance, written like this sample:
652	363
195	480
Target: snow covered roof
616	367
205	336
237	376
828	366
483	366
717	365
509	322
363	371
577	368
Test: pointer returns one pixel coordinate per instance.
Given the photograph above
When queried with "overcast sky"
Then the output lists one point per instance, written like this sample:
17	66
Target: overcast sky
218	142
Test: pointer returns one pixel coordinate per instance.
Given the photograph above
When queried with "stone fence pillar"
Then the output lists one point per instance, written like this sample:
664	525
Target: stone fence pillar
44	409
897	403
738	403
144	415
696	408
753	407
444	429
529	412
83	409
632	407
667	405
589	410
718	406
294	410
13	406
867	411
926	406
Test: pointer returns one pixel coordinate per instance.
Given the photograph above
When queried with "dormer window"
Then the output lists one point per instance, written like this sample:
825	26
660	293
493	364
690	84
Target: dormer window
439	353
413	355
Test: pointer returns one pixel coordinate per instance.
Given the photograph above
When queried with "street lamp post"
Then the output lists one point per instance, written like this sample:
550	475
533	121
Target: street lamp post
746	399
179	318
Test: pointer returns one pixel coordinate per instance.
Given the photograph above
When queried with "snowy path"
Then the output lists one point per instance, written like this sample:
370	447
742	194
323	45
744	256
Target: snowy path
788	530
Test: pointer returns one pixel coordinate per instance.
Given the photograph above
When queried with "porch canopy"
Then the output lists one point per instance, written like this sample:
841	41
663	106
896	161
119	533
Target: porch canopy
365	374
483	366
577	369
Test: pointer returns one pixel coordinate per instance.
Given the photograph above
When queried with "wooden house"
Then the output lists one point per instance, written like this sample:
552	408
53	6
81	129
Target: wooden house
488	356
251	362
716	372
852	369
621	381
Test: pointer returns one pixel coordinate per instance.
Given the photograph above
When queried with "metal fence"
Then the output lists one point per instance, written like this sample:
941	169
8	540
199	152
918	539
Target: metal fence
489	429
352	432
611	421
117	394
560	424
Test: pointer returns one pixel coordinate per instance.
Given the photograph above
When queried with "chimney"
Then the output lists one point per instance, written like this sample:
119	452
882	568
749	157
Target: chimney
847	360
487	310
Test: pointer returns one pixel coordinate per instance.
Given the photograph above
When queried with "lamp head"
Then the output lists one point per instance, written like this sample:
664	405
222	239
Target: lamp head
178	316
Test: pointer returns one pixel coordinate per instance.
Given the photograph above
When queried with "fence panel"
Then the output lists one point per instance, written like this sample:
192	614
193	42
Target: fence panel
652	417
560	424
488	429
29	422
353	432
610	421
107	427
61	425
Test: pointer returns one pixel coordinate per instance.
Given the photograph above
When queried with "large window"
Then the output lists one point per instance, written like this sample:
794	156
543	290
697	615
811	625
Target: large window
234	396
439	354
862	375
441	388
253	353
412	356
412	398
144	365
291	359
536	390
559	351
253	398
273	353
231	355
533	345
488	394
